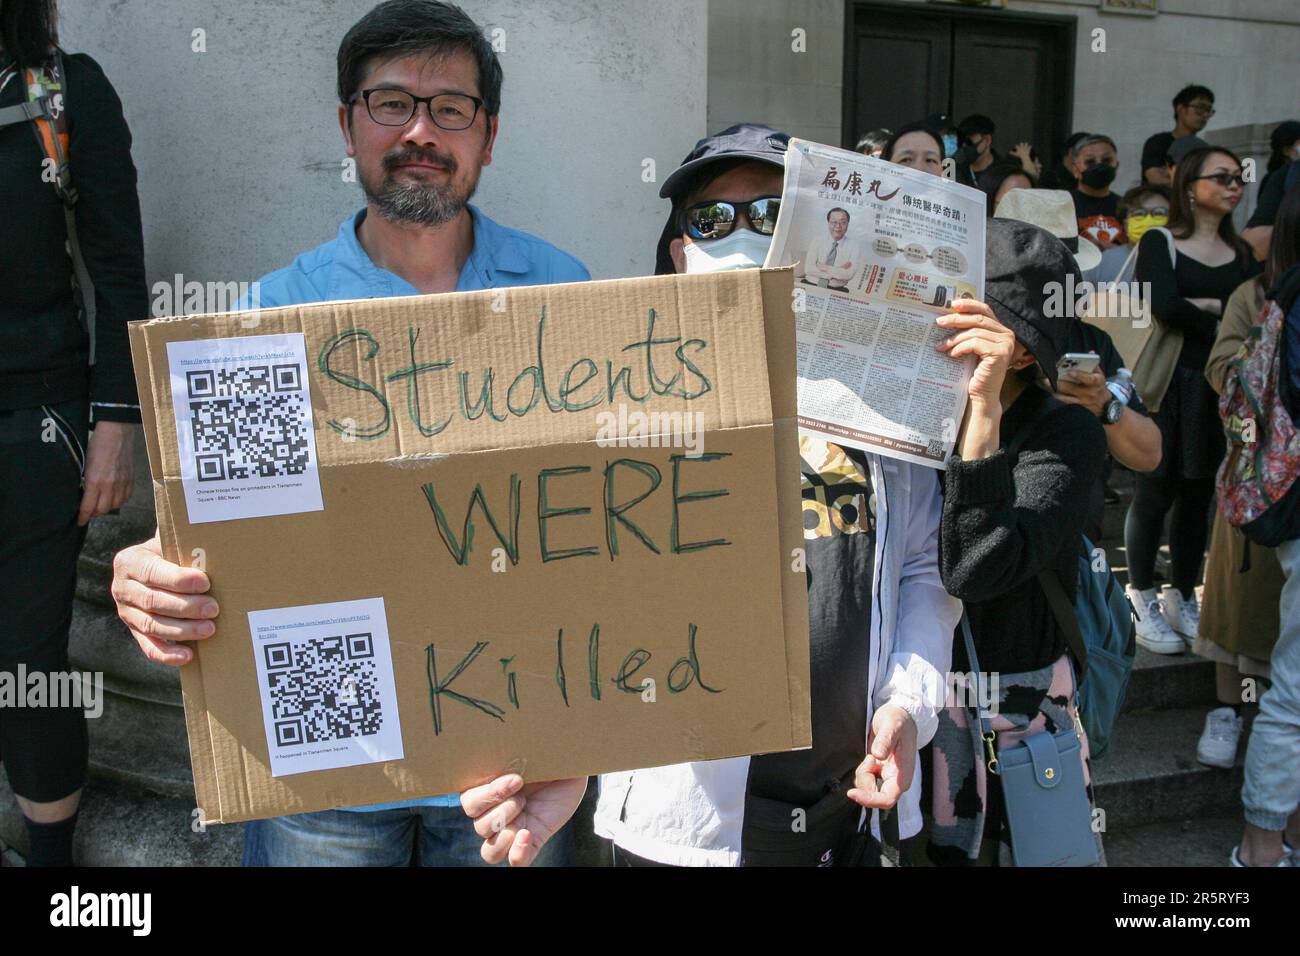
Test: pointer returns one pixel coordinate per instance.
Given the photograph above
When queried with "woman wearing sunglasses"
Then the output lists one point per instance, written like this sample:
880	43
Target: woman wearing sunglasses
1190	283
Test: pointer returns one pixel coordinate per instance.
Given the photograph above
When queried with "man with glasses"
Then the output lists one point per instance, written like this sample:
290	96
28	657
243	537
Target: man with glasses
419	91
1193	107
880	623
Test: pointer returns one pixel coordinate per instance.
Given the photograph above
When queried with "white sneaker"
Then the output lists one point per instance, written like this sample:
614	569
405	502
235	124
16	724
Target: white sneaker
1218	744
1182	614
1153	631
1236	859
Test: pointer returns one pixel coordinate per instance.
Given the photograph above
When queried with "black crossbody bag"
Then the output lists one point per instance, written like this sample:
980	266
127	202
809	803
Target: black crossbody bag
831	832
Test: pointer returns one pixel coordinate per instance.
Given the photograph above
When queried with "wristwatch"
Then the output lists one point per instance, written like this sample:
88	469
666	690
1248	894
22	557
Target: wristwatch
1112	411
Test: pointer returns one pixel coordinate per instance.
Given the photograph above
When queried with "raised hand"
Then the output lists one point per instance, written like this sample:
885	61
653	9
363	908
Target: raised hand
516	819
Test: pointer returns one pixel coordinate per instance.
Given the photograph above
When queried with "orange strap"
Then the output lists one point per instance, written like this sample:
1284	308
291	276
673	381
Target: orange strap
51	128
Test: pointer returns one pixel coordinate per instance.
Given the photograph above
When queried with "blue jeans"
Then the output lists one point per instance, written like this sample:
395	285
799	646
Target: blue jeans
410	836
1272	789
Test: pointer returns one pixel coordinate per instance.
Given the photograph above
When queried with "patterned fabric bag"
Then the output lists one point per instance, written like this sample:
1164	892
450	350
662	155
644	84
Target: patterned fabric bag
1257	481
965	800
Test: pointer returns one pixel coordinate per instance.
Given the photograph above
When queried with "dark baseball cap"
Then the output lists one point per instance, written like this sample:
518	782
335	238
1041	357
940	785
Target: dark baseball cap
742	141
977	124
1022	266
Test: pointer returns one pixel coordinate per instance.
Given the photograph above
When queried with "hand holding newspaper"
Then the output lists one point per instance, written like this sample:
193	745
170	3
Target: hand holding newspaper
878	251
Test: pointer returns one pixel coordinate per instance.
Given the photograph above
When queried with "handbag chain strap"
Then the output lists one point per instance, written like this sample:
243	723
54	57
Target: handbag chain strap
986	723
982	714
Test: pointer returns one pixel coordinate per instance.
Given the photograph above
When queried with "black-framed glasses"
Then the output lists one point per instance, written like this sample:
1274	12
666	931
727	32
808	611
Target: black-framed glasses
393	107
1203	108
714	219
1224	179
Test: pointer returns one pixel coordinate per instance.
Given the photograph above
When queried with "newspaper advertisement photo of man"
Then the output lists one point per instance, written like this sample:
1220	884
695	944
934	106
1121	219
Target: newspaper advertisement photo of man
881	250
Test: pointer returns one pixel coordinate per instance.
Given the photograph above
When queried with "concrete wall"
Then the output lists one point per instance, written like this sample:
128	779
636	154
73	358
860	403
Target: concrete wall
757	75
239	149
1247	51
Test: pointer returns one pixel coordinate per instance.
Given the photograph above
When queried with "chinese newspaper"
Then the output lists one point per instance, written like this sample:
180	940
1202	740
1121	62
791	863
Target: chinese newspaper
878	250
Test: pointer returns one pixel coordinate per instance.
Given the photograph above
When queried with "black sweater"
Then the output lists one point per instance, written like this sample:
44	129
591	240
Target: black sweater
44	350
1005	521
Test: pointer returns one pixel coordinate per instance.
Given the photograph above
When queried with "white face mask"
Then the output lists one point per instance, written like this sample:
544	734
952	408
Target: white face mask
743	249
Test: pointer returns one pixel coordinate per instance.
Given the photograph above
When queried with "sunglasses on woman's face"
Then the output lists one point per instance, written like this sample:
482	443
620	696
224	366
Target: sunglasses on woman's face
1223	179
714	219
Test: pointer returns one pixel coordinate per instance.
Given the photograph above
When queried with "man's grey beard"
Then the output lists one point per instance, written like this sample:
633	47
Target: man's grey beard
415	203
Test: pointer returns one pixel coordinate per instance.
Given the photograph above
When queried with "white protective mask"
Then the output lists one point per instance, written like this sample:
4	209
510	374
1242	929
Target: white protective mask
743	249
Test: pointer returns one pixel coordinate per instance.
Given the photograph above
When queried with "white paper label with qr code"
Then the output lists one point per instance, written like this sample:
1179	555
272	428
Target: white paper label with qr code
326	679
244	427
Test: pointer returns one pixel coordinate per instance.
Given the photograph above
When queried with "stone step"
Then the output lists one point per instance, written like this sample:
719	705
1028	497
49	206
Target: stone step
141	744
126	826
1150	773
139	736
1164	681
1197	841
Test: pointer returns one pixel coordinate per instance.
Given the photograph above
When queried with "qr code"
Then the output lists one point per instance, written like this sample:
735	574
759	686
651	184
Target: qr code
323	689
933	448
248	421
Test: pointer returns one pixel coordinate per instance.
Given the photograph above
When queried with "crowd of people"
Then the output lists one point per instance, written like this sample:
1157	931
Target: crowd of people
1173	233
936	572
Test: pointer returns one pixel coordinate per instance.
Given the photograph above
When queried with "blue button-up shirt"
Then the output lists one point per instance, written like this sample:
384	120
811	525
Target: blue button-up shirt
341	269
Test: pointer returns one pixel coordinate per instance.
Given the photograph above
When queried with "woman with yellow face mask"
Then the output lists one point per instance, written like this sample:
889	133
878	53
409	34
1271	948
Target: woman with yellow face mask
1141	208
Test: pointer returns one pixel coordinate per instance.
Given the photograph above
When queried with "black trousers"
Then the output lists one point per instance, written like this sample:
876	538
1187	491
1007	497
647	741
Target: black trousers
43	749
621	857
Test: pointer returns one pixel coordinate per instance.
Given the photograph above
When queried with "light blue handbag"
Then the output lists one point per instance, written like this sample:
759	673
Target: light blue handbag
1042	784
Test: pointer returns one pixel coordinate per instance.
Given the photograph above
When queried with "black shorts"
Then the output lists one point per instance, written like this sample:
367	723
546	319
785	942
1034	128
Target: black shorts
42	459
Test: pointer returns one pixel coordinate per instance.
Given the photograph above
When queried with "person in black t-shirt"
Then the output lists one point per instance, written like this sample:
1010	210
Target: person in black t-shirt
1096	161
978	131
1193	107
1283	172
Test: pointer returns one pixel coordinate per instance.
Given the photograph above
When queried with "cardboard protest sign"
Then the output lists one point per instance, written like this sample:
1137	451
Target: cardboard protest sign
551	529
